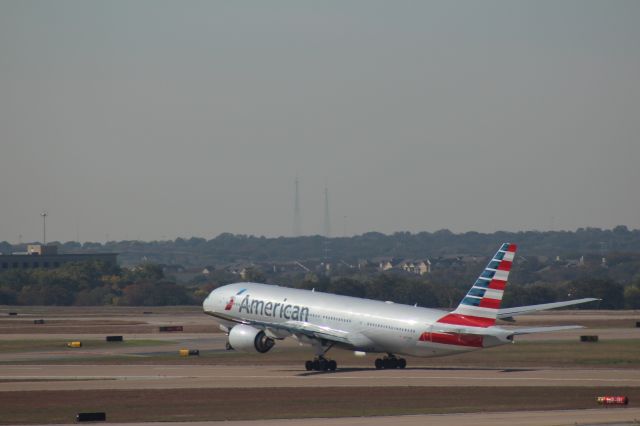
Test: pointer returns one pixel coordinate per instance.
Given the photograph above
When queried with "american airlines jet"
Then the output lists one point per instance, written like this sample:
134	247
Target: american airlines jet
256	315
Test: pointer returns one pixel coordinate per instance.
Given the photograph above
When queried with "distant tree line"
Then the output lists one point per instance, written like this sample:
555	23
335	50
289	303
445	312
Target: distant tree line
549	266
95	283
92	283
227	248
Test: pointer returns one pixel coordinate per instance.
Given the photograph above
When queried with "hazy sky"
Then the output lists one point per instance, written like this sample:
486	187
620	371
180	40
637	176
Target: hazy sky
158	119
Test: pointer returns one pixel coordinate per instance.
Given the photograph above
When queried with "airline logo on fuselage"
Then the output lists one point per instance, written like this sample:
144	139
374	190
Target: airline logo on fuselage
274	309
229	304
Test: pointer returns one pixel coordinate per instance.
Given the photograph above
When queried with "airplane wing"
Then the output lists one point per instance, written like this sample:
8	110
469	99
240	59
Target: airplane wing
282	330
507	313
326	333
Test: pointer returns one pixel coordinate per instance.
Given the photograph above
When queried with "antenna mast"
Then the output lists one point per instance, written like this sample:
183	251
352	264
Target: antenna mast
327	220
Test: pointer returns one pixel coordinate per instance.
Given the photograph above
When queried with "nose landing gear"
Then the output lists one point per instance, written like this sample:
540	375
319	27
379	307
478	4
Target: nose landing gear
390	362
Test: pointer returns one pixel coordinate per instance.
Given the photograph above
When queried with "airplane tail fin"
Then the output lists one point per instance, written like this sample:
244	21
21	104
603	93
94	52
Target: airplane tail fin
481	305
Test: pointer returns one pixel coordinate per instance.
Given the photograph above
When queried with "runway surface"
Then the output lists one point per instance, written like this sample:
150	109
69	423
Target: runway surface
610	417
76	377
157	371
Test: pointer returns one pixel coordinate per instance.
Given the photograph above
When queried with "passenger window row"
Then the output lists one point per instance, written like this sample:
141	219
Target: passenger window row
390	327
331	318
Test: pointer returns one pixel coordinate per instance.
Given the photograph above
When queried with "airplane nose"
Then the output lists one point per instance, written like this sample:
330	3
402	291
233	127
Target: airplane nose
208	304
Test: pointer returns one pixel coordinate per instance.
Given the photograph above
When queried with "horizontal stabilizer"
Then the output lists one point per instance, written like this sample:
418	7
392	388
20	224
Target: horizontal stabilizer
518	331
499	331
521	310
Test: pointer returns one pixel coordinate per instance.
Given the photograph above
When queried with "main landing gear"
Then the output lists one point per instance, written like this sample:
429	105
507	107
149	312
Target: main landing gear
390	361
321	364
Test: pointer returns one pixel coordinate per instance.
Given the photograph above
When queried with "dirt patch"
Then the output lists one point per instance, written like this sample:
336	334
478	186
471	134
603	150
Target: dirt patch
34	346
88	326
93	311
73	326
236	404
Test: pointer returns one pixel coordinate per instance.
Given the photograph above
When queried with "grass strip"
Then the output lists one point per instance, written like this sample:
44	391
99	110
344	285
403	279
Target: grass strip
37	345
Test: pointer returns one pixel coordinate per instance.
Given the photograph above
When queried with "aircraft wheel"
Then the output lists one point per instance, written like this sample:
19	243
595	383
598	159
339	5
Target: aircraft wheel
308	365
315	365
379	364
324	365
333	365
393	363
402	363
385	363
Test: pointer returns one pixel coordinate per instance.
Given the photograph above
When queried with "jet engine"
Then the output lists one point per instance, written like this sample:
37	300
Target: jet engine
245	338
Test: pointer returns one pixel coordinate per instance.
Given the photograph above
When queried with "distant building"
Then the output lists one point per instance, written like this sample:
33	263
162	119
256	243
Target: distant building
424	267
419	267
385	265
244	273
172	269
40	256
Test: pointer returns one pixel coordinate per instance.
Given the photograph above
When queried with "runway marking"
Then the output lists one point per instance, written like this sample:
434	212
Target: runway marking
89	377
27	368
200	375
240	378
494	379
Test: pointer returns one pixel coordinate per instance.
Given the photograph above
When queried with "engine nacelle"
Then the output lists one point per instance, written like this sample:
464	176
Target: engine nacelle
245	338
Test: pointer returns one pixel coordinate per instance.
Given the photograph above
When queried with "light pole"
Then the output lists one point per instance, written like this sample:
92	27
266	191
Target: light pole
44	227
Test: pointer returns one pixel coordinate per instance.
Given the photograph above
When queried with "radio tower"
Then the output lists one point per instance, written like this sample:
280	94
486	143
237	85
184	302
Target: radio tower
327	220
296	212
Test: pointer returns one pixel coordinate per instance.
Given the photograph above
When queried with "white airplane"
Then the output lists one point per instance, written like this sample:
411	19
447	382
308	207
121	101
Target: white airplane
256	315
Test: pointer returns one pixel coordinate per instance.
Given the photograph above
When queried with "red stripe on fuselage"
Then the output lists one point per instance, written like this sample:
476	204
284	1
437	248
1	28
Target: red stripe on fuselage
512	248
457	339
470	320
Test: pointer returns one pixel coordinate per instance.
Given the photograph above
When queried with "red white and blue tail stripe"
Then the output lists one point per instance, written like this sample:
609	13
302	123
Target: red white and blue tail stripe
480	306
